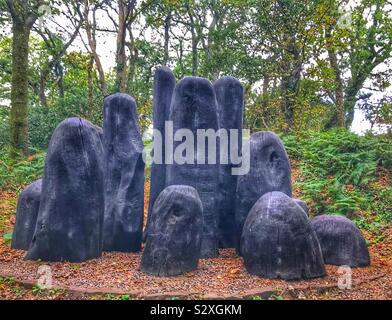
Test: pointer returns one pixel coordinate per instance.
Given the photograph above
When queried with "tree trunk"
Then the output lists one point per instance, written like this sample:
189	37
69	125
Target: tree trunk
349	104
339	95
292	66
121	58
90	31
339	115
167	39
289	87
266	82
60	81
194	45
42	87
180	59
19	90
90	85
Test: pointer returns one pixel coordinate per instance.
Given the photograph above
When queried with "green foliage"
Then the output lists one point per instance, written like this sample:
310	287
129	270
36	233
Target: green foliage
15	174
7	280
338	174
37	290
7	237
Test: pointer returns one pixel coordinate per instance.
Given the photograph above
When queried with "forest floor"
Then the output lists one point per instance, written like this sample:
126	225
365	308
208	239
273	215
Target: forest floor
117	275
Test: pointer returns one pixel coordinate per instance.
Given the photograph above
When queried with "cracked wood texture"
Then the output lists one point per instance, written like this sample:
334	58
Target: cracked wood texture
164	83
174	241
26	215
341	241
69	223
269	171
124	175
230	97
278	241
194	107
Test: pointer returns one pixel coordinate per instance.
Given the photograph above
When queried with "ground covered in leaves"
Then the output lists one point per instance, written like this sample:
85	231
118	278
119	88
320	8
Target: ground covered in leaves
117	275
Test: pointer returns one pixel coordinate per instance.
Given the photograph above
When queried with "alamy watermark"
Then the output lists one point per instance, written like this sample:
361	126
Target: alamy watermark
43	11
345	278
206	147
44	273
344	21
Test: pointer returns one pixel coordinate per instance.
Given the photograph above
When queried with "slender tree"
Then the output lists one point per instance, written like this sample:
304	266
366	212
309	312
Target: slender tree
23	14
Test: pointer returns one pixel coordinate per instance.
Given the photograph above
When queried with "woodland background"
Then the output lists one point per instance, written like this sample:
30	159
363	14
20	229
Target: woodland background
306	66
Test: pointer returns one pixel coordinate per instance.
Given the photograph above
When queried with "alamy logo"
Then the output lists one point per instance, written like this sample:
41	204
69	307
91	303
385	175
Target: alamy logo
44	273
345	278
205	147
344	20
43	11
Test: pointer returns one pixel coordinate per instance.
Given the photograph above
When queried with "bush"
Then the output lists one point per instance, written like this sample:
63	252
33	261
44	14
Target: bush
14	175
339	173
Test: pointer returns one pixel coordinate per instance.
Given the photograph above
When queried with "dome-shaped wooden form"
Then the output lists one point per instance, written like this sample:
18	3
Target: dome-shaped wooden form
341	241
278	242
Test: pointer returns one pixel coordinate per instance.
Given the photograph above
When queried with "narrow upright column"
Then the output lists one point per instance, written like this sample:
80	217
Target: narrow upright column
164	83
124	175
194	107
230	96
269	171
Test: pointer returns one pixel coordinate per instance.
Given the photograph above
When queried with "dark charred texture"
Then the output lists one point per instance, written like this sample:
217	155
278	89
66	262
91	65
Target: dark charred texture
230	96
124	175
174	240
194	107
303	205
278	241
69	223
164	83
26	215
341	241
269	171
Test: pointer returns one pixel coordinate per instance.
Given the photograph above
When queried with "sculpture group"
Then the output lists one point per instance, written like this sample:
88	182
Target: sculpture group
91	196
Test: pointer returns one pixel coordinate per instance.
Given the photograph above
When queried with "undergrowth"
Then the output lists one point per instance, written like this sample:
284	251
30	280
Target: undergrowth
15	174
340	173
345	174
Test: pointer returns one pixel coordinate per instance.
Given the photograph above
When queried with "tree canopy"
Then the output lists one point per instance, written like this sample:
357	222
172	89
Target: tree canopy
303	64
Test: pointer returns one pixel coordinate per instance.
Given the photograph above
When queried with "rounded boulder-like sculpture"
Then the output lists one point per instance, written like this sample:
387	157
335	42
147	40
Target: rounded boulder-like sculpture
26	215
341	241
69	223
269	171
278	242
174	239
124	175
303	205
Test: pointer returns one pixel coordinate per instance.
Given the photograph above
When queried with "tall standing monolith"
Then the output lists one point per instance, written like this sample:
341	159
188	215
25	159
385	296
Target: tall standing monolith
69	223
194	108
164	83
230	97
124	175
269	171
